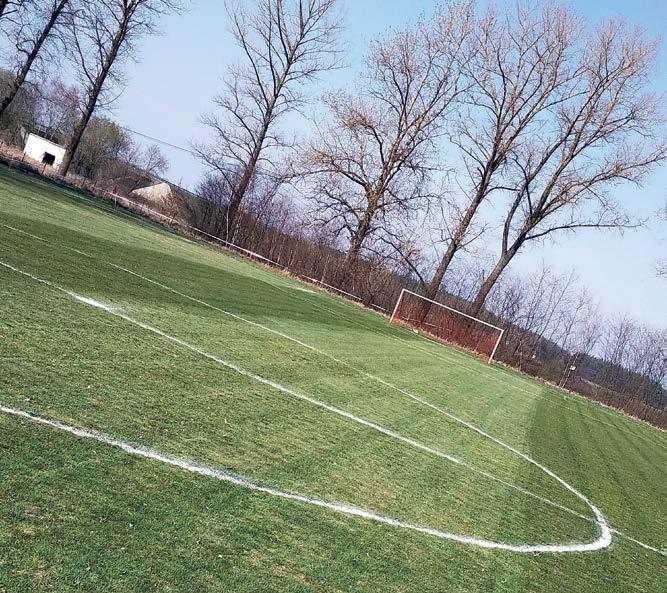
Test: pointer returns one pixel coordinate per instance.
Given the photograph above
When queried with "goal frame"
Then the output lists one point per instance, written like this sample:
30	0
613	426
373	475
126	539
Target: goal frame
419	296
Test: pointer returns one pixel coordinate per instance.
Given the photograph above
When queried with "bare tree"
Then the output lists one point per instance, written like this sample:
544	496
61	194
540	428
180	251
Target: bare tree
102	36
377	156
33	24
599	137
58	104
519	69
616	347
284	45
647	361
571	332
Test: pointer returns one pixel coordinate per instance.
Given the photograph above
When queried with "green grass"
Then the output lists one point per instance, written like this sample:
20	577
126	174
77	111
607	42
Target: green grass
78	515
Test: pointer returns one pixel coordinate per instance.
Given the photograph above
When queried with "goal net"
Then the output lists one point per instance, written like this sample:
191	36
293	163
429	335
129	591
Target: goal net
446	323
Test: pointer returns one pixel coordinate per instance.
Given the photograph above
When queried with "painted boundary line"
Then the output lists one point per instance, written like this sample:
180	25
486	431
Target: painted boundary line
333	358
599	407
249	484
602	541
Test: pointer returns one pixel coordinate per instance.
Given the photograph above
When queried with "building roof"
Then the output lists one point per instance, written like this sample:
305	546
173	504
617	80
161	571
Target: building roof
159	191
42	132
42	139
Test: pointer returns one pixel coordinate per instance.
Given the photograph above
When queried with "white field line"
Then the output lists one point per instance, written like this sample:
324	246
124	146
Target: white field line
247	482
602	541
305	290
346	364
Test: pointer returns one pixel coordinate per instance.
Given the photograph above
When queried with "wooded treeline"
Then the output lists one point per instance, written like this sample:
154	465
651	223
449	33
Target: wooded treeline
475	125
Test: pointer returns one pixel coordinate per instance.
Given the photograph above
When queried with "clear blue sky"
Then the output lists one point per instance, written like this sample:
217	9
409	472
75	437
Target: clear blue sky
179	72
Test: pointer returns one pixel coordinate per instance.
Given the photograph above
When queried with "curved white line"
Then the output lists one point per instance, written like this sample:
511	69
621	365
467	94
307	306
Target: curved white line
249	484
602	541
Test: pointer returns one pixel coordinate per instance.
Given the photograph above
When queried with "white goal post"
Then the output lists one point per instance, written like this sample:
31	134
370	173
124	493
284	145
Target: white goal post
446	323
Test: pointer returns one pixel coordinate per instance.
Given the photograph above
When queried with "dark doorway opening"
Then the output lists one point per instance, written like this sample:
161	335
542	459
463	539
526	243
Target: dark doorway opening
49	159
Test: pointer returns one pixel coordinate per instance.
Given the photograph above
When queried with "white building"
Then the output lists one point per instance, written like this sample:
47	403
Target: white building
43	150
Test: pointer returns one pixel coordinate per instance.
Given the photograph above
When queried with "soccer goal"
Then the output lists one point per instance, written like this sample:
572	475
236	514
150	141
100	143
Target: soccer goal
447	323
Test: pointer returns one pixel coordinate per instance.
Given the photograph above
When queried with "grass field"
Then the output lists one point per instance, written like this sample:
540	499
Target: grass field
114	325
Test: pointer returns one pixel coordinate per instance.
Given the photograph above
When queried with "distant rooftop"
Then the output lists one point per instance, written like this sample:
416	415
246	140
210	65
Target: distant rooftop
44	132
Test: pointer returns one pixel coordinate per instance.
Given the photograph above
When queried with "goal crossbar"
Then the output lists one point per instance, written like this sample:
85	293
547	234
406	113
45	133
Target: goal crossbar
405	291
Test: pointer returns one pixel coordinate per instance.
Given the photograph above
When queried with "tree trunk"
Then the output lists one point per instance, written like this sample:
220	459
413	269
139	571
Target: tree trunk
250	167
93	96
37	46
434	286
490	281
458	235
352	254
239	193
357	240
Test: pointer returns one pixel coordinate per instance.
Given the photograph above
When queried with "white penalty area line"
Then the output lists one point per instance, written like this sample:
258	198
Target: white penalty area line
602	541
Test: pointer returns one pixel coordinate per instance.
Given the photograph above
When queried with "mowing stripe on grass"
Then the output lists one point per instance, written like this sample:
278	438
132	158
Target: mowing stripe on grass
549	400
454	357
602	541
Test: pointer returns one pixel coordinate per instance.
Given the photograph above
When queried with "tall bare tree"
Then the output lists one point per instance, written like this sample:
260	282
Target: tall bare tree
602	135
284	45
33	24
57	108
102	36
376	157
519	69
